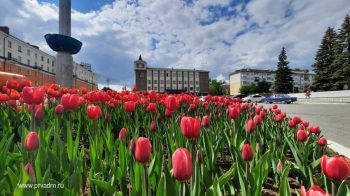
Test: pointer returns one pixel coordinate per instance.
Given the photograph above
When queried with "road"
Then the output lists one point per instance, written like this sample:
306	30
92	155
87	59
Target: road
333	119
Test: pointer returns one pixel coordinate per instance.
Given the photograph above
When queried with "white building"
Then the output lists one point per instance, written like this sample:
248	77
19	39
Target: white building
302	79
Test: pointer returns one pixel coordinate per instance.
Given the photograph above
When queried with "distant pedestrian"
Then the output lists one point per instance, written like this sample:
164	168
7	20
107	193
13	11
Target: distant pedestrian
307	94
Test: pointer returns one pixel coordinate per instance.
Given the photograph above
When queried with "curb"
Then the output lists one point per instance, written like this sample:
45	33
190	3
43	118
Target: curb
342	150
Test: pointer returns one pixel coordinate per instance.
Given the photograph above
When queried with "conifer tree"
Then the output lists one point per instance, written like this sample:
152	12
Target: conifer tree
284	80
323	60
341	64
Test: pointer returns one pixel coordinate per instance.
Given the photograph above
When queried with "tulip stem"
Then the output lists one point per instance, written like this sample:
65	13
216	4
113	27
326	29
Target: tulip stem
247	171
193	162
146	179
334	189
182	190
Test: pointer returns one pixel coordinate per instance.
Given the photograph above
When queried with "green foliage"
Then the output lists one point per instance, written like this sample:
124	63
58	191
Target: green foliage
216	87
340	67
262	87
284	80
324	58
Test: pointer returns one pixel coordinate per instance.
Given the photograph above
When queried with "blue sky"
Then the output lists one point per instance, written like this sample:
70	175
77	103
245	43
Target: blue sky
220	36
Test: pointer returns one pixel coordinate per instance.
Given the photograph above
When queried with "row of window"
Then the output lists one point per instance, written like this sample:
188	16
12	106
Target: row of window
174	73
168	82
162	88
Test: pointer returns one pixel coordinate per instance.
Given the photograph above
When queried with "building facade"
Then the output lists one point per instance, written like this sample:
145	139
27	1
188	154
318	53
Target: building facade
170	80
20	57
302	79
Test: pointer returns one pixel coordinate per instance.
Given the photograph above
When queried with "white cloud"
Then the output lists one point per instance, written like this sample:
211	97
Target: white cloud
115	35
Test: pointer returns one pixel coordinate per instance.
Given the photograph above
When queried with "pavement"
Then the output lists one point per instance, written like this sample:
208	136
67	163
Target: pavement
333	119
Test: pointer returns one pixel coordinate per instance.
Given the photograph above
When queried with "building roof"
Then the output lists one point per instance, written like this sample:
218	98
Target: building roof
172	69
295	71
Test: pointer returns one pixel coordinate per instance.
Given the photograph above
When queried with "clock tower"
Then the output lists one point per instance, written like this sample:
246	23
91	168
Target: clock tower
140	64
140	67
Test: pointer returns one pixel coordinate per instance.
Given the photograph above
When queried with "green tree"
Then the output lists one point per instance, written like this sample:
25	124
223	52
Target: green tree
263	87
106	88
216	88
249	89
341	64
284	80
323	60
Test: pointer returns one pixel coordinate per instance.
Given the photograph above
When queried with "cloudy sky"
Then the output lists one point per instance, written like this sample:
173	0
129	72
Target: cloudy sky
216	35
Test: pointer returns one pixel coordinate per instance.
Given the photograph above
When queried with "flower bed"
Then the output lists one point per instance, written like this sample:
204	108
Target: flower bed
145	143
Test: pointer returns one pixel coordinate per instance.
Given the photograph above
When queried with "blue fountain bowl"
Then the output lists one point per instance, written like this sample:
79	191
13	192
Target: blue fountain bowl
63	43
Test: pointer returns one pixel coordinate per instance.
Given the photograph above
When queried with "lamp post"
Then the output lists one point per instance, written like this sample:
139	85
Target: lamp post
64	45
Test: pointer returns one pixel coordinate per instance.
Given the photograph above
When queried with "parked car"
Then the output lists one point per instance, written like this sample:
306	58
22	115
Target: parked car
241	96
280	98
253	98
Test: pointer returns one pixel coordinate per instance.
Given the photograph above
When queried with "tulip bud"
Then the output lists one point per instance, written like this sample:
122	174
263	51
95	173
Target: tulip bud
132	146
279	167
30	171
322	141
257	147
199	157
313	191
190	127
250	126
59	109
143	150
247	153
171	103
153	126
122	134
93	112
31	142
301	136
205	121
39	114
182	164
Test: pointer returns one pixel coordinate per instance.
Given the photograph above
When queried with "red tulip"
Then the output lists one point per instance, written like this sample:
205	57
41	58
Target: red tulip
257	119
39	114
296	119
314	130
151	107
93	112
305	123
171	103
336	168
168	113
205	121
250	126
279	117
122	134
301	136
274	107
70	101
153	126
33	95
143	150
313	191
4	97
191	127
14	94
59	109
31	142
12	84
19	108
234	112
182	164
132	146
30	171
247	153
291	123
279	167
129	106
322	141
301	127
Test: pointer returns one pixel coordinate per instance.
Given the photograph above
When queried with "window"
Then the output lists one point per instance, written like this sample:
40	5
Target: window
191	88
35	64
185	82
48	69
155	81
19	70
191	82
174	82
167	74
53	63
42	58
168	81
42	66
155	88
36	55
9	43
48	61
161	81
29	72
28	52
149	88
197	82
28	62
179	82
19	48
9	67
9	55
197	89
20	59
174	74
149	81
149	73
